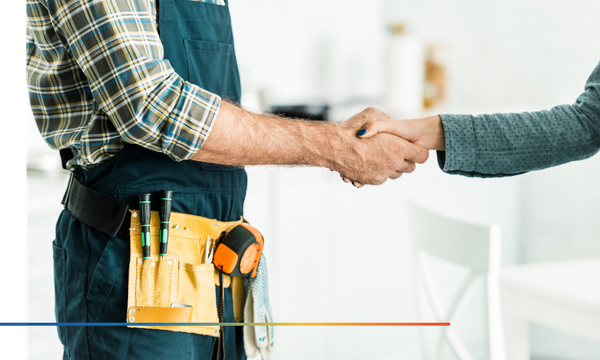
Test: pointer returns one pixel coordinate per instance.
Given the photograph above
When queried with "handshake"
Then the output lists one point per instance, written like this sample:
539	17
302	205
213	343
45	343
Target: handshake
372	147
368	148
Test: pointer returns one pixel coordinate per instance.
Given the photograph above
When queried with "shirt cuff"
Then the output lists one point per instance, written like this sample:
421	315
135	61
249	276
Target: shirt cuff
462	155
194	117
461	144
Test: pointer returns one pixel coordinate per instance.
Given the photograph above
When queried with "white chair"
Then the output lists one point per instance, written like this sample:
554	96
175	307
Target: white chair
476	247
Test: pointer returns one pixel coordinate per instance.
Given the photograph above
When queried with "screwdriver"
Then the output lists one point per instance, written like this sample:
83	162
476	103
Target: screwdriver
145	223
165	215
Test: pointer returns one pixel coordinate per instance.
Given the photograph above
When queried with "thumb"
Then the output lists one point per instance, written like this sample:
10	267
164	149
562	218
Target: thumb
373	127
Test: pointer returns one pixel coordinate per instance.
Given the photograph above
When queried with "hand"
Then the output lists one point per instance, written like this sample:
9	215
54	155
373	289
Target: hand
373	160
426	132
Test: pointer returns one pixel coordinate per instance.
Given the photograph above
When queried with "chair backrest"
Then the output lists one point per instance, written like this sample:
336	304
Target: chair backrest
474	246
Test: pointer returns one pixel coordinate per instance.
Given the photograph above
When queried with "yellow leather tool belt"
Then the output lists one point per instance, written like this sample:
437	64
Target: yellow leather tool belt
180	288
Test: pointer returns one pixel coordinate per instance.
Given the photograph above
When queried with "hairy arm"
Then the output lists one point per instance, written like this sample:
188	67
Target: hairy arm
240	137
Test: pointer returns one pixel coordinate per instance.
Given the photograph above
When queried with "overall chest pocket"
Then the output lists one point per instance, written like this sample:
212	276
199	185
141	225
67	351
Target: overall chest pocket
213	67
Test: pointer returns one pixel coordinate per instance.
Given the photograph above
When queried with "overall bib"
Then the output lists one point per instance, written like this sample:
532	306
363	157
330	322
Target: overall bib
91	268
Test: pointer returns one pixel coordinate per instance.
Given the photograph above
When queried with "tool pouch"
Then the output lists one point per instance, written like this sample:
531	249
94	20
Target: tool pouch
179	288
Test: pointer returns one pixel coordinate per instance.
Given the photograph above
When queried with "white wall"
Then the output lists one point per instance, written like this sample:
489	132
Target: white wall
310	50
561	206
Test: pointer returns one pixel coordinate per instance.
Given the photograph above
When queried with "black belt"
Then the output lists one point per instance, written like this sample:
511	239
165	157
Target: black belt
97	210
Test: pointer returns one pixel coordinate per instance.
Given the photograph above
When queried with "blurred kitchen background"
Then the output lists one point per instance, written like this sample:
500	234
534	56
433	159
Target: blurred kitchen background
340	254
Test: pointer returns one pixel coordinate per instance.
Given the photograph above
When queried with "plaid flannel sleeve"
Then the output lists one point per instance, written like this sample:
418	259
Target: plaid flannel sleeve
116	45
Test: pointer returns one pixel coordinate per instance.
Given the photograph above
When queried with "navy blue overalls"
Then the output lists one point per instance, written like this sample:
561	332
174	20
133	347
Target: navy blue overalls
91	268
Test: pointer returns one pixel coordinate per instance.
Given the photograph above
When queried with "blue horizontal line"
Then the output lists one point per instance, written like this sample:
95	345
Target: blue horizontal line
12	324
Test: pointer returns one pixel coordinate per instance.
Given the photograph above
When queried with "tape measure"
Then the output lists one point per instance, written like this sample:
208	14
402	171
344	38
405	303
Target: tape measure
239	252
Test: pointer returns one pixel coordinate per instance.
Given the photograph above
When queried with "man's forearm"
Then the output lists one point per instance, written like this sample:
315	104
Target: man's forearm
240	137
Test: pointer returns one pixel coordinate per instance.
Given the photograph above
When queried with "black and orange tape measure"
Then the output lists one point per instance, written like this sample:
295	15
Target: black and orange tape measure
239	251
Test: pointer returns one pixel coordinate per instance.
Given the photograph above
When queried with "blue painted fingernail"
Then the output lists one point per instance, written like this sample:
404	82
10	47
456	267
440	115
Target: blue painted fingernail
354	184
361	132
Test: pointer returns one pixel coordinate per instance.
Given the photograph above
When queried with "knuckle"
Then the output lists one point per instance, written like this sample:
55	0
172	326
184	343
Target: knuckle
396	175
372	111
424	156
376	180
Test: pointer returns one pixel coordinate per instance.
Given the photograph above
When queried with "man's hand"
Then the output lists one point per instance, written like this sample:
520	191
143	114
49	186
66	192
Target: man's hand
240	137
426	132
374	160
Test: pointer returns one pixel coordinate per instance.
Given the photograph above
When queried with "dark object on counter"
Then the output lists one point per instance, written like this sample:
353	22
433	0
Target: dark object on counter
308	112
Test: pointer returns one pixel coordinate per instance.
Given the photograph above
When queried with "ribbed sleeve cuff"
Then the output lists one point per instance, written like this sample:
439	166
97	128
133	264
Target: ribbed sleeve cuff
461	144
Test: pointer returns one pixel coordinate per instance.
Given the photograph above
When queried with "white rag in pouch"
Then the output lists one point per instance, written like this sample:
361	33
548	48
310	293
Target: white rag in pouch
258	310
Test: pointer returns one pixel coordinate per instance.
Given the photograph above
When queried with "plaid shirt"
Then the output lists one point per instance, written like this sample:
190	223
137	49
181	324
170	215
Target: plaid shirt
97	78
